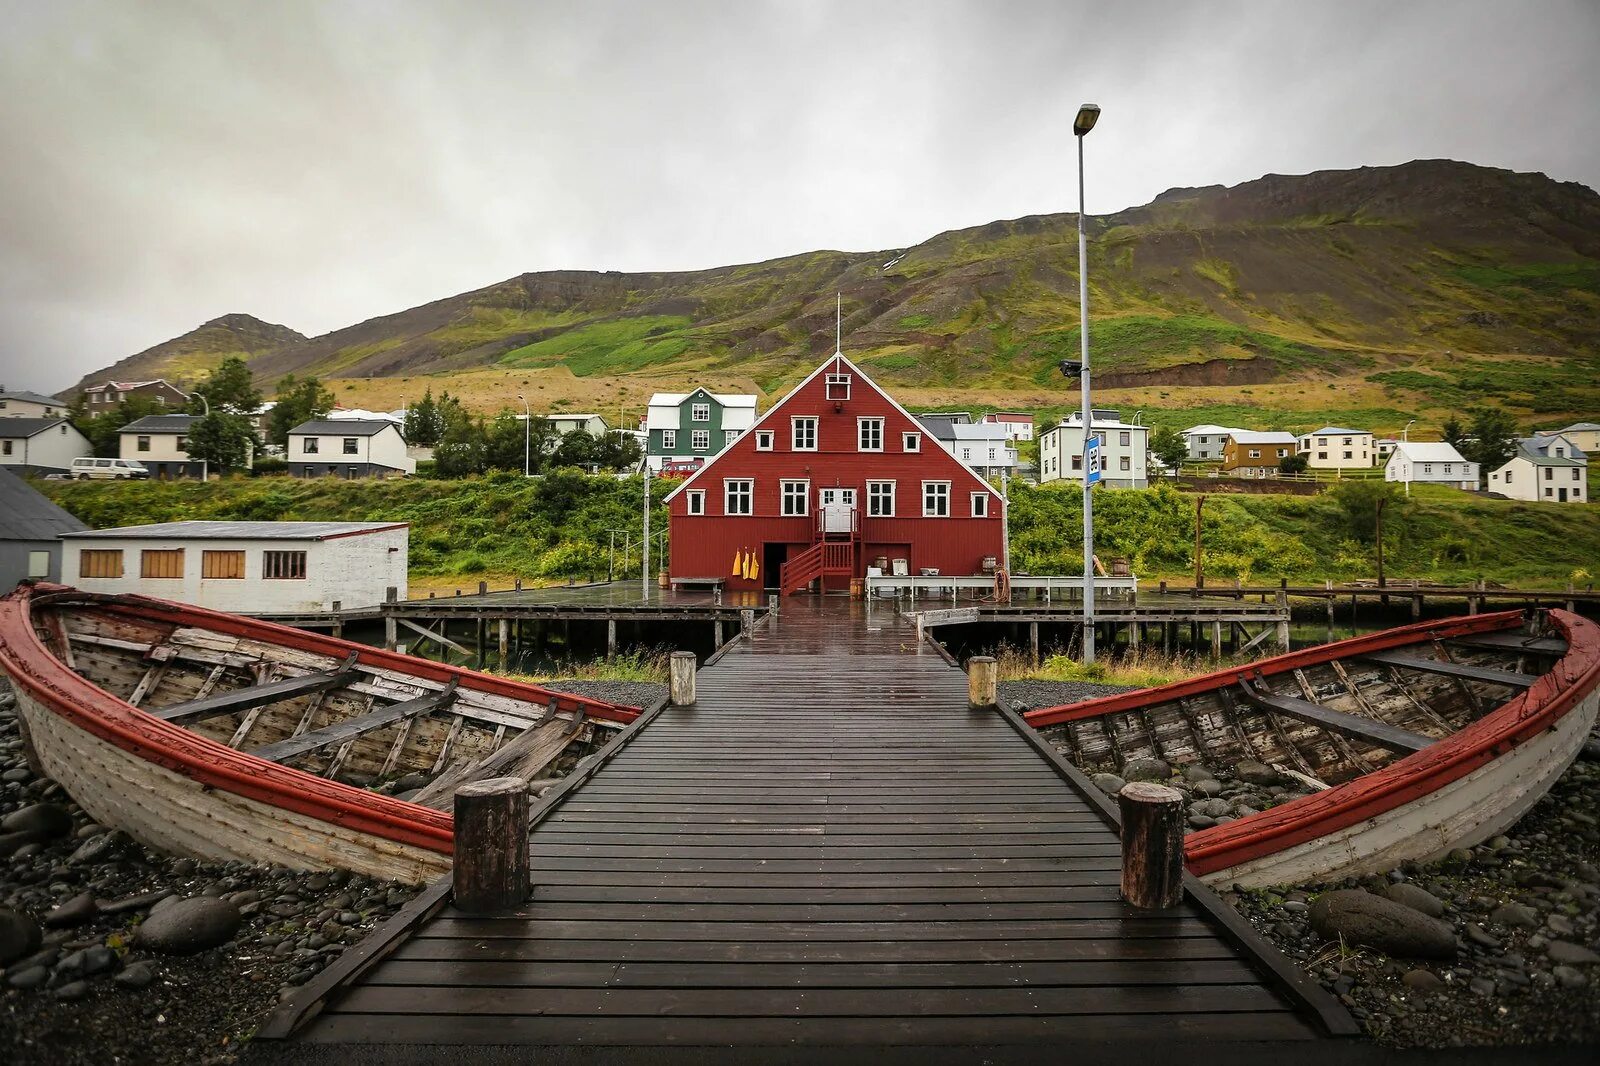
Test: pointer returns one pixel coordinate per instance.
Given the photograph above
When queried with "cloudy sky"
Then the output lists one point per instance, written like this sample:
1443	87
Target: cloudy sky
315	164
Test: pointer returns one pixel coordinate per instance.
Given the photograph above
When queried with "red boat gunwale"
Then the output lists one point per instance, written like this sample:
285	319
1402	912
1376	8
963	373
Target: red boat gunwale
48	680
1534	710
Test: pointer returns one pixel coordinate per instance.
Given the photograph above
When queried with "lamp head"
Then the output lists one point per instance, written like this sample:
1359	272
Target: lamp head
1071	369
1088	115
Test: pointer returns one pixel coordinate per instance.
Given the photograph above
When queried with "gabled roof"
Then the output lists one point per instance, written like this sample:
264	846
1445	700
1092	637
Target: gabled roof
25	513
1537	451
1576	427
32	397
1008	416
343	427
1251	436
1208	429
835	358
27	427
942	426
991	432
1332	431
125	385
160	424
1418	451
726	399
204	530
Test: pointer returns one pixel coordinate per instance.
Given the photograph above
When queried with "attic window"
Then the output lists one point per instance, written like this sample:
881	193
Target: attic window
838	386
763	440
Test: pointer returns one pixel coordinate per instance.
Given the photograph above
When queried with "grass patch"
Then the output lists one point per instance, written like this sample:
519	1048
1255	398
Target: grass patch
633	666
1545	279
1139	668
1145	342
610	347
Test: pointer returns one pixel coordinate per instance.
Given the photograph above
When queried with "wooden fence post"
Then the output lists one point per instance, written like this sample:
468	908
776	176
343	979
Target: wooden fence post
1152	845
747	622
490	870
683	667
983	676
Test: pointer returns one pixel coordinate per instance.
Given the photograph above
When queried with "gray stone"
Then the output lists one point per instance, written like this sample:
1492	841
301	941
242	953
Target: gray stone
1570	954
189	926
1570	976
1481	986
1212	808
77	910
95	849
1417	899
19	936
1480	936
411	782
1210	787
1359	917
1516	916
46	819
1423	981
139	975
1147	770
73	990
1256	773
28	977
16	776
11	843
1196	772
1560	924
1201	821
1110	784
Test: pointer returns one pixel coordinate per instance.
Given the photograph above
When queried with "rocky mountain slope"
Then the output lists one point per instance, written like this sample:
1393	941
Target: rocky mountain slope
186	359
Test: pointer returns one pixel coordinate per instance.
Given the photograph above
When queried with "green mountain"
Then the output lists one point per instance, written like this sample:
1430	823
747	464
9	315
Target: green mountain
1438	278
187	359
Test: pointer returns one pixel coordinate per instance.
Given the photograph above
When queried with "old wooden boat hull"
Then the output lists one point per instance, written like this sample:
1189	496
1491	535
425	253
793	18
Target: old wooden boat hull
193	791
1431	737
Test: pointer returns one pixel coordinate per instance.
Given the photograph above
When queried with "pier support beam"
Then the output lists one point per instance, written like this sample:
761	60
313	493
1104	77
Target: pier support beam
391	632
505	642
1216	640
747	622
490	870
1283	620
611	638
1152	845
683	669
1033	641
983	682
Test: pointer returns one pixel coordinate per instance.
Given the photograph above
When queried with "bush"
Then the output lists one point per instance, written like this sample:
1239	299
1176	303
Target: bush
269	467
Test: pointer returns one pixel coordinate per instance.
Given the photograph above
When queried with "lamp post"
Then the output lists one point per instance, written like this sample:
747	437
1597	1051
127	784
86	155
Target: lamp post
205	464
1088	114
1404	438
527	435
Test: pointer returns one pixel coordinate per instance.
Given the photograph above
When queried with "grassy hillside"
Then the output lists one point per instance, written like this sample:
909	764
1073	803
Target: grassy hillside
504	526
188	359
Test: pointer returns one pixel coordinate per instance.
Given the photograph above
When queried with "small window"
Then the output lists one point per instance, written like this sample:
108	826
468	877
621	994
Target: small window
1077	462
763	440
936	499
729	436
1576	474
696	501
5	448
222	565
1322	455
738	496
1255	453
980	505
838	386
880	499
283	566
795	495
1347	455
143	444
166	563
1548	491
100	562
1127	462
911	442
1125	438
966	454
1560	452
869	434
700	412
669	439
38	564
1427	468
700	440
1508	476
803	434
309	447
350	446
1549	474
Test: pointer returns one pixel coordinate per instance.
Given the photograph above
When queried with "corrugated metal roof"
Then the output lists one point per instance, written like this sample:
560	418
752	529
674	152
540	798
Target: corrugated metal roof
32	397
239	530
160	424
1419	451
25	514
343	427
1251	436
27	427
1333	431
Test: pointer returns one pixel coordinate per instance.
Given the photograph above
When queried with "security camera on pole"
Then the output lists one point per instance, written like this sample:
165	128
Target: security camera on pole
1088	114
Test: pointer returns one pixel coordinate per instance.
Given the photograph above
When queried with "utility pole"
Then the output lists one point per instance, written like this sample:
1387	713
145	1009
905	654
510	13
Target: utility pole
1088	114
1199	569
1381	502
644	577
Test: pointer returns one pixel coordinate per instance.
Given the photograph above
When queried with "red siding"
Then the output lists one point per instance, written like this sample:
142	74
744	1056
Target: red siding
705	545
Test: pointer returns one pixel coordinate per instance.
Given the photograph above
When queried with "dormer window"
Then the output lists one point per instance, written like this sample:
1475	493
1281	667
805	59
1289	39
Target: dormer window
700	412
838	386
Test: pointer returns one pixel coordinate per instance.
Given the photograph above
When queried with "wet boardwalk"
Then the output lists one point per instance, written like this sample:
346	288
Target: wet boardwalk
830	848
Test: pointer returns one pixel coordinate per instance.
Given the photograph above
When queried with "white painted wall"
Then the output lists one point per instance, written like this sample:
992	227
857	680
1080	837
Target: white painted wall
1523	479
163	448
1336	451
355	570
53	449
1461	475
385	448
1124	448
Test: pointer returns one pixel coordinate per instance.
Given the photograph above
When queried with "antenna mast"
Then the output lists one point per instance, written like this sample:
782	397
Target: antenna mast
838	324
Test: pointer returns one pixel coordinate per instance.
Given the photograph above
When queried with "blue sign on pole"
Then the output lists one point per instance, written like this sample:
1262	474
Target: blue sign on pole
1091	460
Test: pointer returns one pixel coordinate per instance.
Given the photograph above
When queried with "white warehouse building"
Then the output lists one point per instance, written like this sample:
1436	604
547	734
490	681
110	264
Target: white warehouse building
244	567
1124	448
1430	462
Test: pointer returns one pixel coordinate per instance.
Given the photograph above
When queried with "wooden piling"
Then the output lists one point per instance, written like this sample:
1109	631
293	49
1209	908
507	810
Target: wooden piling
338	620
1152	845
391	631
983	682
747	622
505	641
490	867
1283	619
1216	640
682	687
611	638
1033	641
483	588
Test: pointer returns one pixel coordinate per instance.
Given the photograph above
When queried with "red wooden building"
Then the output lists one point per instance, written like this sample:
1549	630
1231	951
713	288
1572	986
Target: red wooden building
834	478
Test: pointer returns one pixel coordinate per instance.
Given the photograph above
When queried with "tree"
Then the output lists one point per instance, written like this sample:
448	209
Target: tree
228	388
1294	464
461	451
576	449
505	439
103	430
298	400
1453	431
619	451
424	421
222	439
1359	502
1491	439
1168	445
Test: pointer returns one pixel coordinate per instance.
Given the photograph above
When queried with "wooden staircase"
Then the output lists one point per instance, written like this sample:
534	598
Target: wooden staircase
825	558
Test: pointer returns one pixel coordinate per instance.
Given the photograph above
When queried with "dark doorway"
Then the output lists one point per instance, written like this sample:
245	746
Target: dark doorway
1562	491
772	559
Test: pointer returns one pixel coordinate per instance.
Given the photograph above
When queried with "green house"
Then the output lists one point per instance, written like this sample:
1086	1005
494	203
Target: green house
687	428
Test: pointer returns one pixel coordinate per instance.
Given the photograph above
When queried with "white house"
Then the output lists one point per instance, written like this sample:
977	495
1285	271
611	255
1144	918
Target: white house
244	567
40	445
348	448
1124	450
1586	435
1206	442
30	405
594	425
1433	462
984	446
1333	448
1547	469
161	443
1018	426
1382	448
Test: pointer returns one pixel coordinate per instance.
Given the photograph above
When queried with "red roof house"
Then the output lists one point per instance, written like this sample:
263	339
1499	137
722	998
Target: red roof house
832	479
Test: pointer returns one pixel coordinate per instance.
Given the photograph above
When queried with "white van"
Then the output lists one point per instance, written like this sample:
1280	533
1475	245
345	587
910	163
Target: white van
87	467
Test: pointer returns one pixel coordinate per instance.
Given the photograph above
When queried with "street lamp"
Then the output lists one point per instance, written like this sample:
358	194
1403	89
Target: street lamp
1088	115
527	431
1405	439
205	464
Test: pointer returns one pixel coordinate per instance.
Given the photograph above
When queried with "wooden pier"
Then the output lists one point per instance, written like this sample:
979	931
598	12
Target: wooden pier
828	848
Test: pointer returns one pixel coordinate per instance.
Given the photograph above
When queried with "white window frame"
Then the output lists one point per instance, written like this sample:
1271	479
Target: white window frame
669	440
862	426
910	441
835	381
700	440
795	423
695	501
764	440
729	436
786	494
748	486
699	412
886	491
944	496
979	505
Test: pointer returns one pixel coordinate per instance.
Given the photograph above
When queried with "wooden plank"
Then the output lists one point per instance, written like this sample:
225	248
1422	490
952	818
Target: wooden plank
243	699
1351	725
1509	678
349	729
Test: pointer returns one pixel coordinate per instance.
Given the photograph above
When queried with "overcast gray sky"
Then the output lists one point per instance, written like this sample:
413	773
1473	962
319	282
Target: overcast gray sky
315	164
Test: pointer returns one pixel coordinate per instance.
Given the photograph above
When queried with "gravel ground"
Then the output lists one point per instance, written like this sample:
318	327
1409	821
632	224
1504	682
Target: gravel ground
632	693
1033	694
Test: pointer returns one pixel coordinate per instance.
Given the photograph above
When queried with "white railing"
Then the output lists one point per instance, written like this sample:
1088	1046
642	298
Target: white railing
1046	588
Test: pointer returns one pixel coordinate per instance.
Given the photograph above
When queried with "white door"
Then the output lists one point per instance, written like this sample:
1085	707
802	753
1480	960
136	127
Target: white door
838	509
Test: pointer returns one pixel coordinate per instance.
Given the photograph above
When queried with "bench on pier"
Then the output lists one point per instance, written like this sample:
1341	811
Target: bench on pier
713	583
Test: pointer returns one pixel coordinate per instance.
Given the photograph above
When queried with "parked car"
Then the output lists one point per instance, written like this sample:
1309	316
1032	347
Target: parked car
87	467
